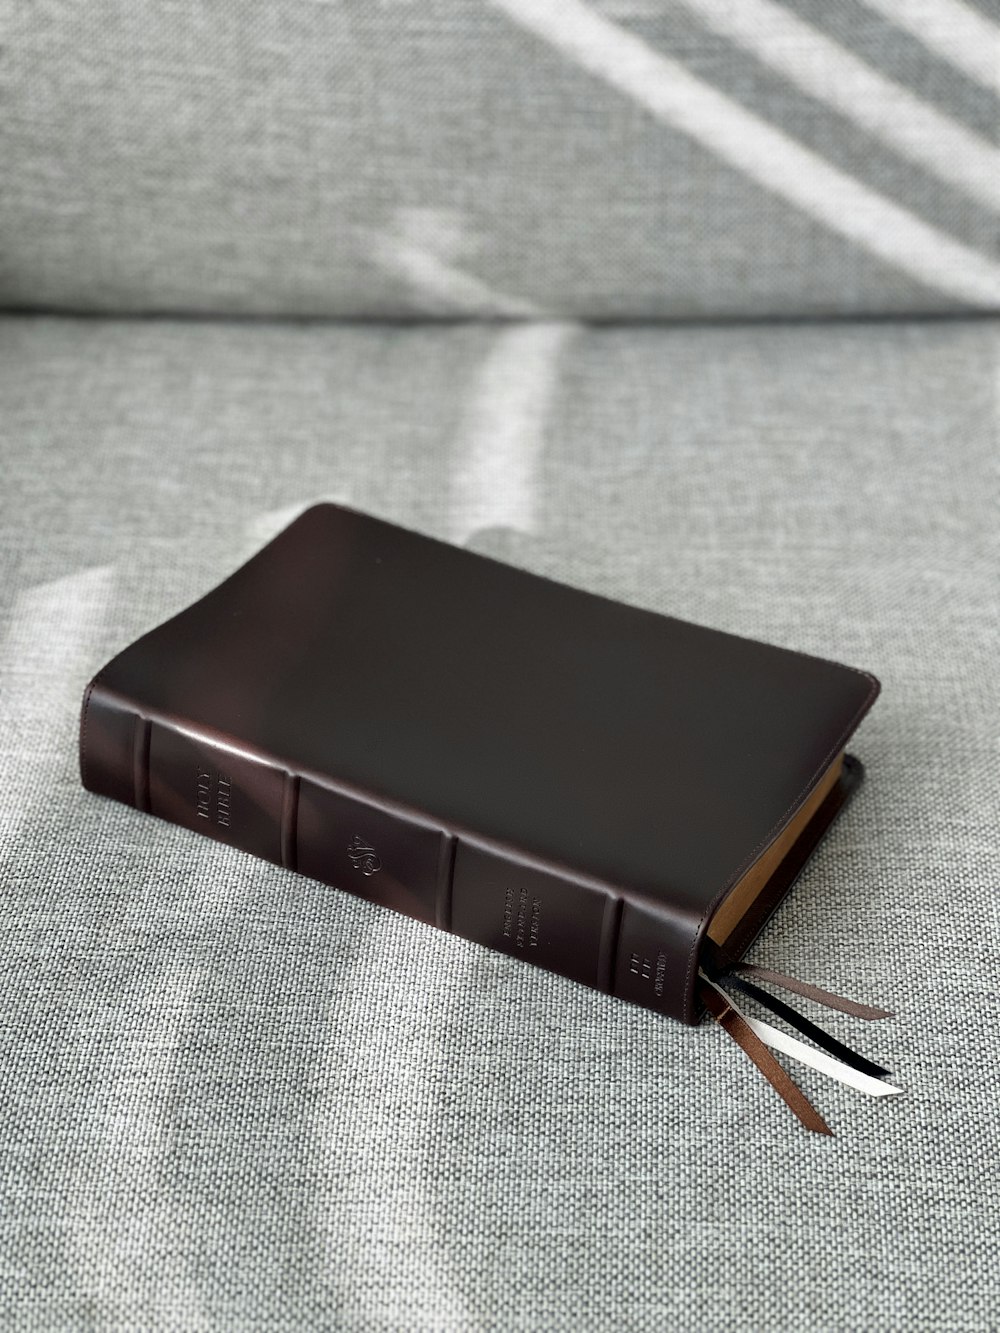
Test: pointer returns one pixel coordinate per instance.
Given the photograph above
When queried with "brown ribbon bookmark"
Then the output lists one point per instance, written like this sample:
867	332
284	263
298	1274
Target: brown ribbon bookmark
826	997
732	1023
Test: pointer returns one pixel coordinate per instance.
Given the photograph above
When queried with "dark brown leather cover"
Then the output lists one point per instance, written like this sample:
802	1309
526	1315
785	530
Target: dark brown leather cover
551	773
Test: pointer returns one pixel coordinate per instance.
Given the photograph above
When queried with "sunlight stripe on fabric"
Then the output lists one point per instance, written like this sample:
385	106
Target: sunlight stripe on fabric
424	248
951	29
502	430
756	148
881	107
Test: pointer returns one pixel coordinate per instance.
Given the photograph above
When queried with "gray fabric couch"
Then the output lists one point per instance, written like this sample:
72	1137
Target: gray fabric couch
694	305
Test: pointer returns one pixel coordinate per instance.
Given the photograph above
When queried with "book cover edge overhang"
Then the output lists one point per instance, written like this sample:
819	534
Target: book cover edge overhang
788	869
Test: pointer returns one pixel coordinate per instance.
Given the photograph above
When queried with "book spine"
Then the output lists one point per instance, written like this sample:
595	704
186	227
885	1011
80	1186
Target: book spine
355	840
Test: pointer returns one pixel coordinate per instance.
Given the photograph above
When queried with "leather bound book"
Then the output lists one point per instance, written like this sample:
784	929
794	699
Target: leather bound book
613	794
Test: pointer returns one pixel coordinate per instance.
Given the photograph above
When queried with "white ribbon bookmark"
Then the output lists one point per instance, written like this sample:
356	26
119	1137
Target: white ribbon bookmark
808	1055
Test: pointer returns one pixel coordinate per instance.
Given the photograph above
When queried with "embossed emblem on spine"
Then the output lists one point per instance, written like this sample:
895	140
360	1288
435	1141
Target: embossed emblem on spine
643	968
363	856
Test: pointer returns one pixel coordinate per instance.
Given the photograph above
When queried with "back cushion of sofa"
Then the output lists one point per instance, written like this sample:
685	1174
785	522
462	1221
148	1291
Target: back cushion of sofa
465	158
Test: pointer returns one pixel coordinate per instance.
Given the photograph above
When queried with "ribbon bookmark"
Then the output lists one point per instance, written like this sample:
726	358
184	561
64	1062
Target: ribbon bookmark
736	1027
865	1011
808	1028
818	1060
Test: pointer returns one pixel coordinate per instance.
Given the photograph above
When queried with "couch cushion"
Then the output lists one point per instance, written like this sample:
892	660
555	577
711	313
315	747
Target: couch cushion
622	159
237	1098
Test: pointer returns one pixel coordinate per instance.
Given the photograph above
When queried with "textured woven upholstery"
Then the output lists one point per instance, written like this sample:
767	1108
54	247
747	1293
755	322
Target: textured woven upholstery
555	281
627	159
238	1099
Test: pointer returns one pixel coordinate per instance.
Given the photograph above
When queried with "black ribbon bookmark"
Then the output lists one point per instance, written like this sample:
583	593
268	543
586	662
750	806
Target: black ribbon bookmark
804	1025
